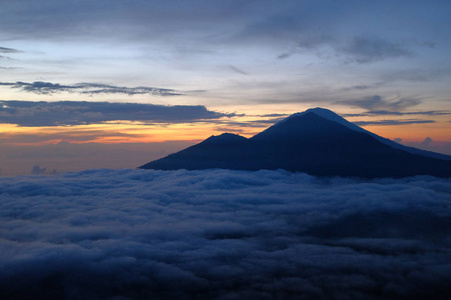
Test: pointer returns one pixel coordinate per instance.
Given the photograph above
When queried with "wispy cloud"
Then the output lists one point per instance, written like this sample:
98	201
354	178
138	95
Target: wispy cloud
40	87
362	87
89	135
393	122
417	75
9	50
400	113
377	102
274	115
239	71
359	49
366	49
26	113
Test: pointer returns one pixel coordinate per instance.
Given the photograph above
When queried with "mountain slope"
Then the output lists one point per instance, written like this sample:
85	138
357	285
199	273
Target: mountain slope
316	141
330	115
215	152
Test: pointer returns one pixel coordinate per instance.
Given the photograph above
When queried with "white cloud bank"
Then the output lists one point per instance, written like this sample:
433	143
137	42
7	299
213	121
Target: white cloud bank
223	234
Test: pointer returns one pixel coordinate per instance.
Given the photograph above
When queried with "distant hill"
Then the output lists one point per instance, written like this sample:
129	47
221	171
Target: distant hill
318	142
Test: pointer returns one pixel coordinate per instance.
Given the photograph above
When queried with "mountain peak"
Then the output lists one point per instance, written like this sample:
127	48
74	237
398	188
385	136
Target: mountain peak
316	141
331	116
299	125
326	114
319	111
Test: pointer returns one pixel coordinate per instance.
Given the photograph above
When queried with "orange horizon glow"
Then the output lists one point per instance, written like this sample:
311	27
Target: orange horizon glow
412	132
112	133
137	132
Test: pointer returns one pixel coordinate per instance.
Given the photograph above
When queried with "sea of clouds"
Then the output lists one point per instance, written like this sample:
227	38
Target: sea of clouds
223	234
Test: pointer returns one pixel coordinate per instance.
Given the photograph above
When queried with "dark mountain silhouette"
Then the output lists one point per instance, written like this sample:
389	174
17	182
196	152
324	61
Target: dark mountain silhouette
327	114
317	142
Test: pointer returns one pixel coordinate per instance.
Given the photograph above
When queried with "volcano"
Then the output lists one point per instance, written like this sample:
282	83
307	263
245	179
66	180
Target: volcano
317	142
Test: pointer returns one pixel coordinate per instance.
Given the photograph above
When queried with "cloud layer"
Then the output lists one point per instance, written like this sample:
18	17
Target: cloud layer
223	234
393	122
40	87
8	50
378	103
27	113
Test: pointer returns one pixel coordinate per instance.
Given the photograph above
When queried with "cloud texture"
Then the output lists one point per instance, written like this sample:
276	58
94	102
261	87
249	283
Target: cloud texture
27	113
8	50
378	103
47	88
223	234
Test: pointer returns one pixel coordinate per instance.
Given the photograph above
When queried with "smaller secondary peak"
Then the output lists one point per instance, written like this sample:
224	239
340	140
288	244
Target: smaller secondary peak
227	135
225	138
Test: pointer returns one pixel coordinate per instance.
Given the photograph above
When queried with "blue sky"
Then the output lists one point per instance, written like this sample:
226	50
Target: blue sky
385	64
234	52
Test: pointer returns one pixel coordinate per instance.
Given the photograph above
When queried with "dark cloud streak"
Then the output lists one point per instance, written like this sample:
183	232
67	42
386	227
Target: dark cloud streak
26	113
377	102
40	87
74	135
393	122
9	50
399	113
365	50
239	71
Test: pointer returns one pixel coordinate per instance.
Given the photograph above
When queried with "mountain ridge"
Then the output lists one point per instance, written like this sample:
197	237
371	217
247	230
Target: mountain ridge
317	141
330	115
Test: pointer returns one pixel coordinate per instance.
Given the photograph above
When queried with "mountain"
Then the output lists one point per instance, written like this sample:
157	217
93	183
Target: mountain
327	114
318	142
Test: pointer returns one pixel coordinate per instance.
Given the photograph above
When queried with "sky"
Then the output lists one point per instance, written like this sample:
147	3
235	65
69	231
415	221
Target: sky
147	78
223	234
